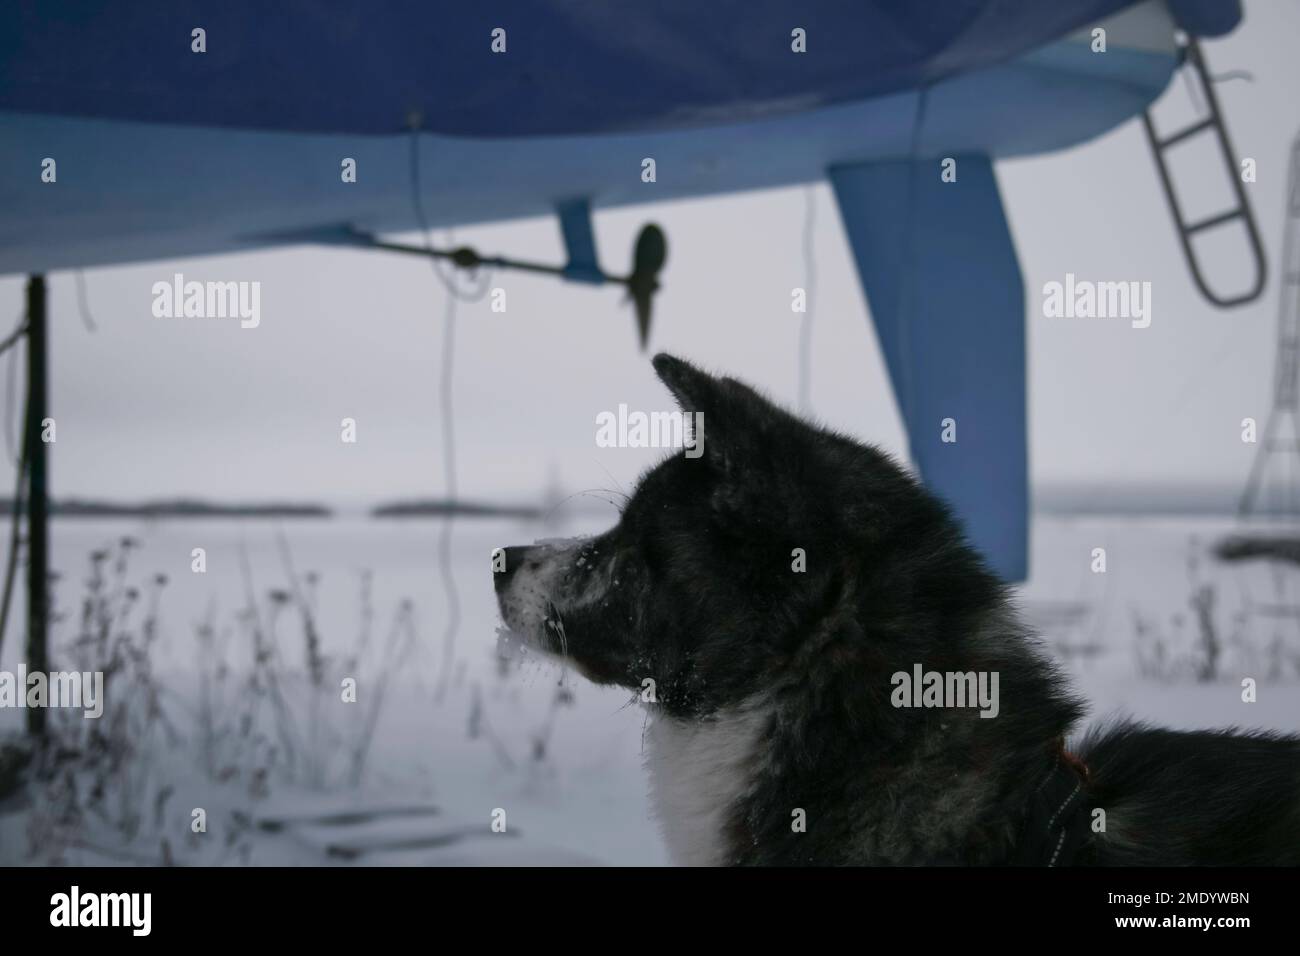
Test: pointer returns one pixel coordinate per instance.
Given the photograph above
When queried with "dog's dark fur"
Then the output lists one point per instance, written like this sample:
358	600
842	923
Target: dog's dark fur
694	589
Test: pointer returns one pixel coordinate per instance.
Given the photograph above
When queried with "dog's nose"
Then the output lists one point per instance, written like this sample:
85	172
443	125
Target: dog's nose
514	560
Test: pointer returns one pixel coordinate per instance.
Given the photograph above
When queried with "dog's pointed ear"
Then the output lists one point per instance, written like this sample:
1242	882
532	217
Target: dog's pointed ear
734	406
735	429
734	420
744	437
695	391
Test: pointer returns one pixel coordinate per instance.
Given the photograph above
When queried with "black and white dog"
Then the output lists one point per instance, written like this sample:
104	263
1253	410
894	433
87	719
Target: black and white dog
776	596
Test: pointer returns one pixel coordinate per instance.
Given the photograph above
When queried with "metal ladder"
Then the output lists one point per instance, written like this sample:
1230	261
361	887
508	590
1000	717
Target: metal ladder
1213	122
1282	432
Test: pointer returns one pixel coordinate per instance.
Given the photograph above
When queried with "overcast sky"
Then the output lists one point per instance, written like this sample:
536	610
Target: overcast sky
148	407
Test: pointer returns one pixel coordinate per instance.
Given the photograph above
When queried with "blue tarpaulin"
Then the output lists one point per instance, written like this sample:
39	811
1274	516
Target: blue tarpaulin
569	66
162	151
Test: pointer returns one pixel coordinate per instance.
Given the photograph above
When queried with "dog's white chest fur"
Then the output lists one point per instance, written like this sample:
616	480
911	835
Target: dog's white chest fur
699	770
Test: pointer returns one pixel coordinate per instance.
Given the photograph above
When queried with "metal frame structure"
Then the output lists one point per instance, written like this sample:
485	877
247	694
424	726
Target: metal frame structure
1284	417
1213	122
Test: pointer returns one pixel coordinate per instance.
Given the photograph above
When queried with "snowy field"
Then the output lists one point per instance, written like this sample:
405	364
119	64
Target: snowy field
414	773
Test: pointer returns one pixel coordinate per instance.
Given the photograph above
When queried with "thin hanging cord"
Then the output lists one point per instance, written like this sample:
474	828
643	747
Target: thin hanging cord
809	286
10	443
12	338
16	510
444	538
448	279
448	433
908	294
83	303
11	381
15	519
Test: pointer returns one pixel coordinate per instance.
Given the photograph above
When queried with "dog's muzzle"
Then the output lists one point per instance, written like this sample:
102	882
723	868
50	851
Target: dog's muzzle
514	560
530	586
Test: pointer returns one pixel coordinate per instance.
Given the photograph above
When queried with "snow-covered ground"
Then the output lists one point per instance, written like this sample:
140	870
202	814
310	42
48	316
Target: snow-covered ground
560	766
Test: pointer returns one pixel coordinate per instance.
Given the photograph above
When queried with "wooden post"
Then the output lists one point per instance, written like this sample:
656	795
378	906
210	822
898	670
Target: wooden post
37	494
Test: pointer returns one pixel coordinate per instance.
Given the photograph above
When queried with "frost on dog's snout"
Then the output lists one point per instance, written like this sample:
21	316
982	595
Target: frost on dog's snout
563	598
537	582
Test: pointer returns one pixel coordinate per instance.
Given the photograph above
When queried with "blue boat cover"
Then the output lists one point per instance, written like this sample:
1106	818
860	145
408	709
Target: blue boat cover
162	151
569	66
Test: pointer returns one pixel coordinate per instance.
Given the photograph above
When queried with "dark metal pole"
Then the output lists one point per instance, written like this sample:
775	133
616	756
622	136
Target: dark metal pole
37	500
